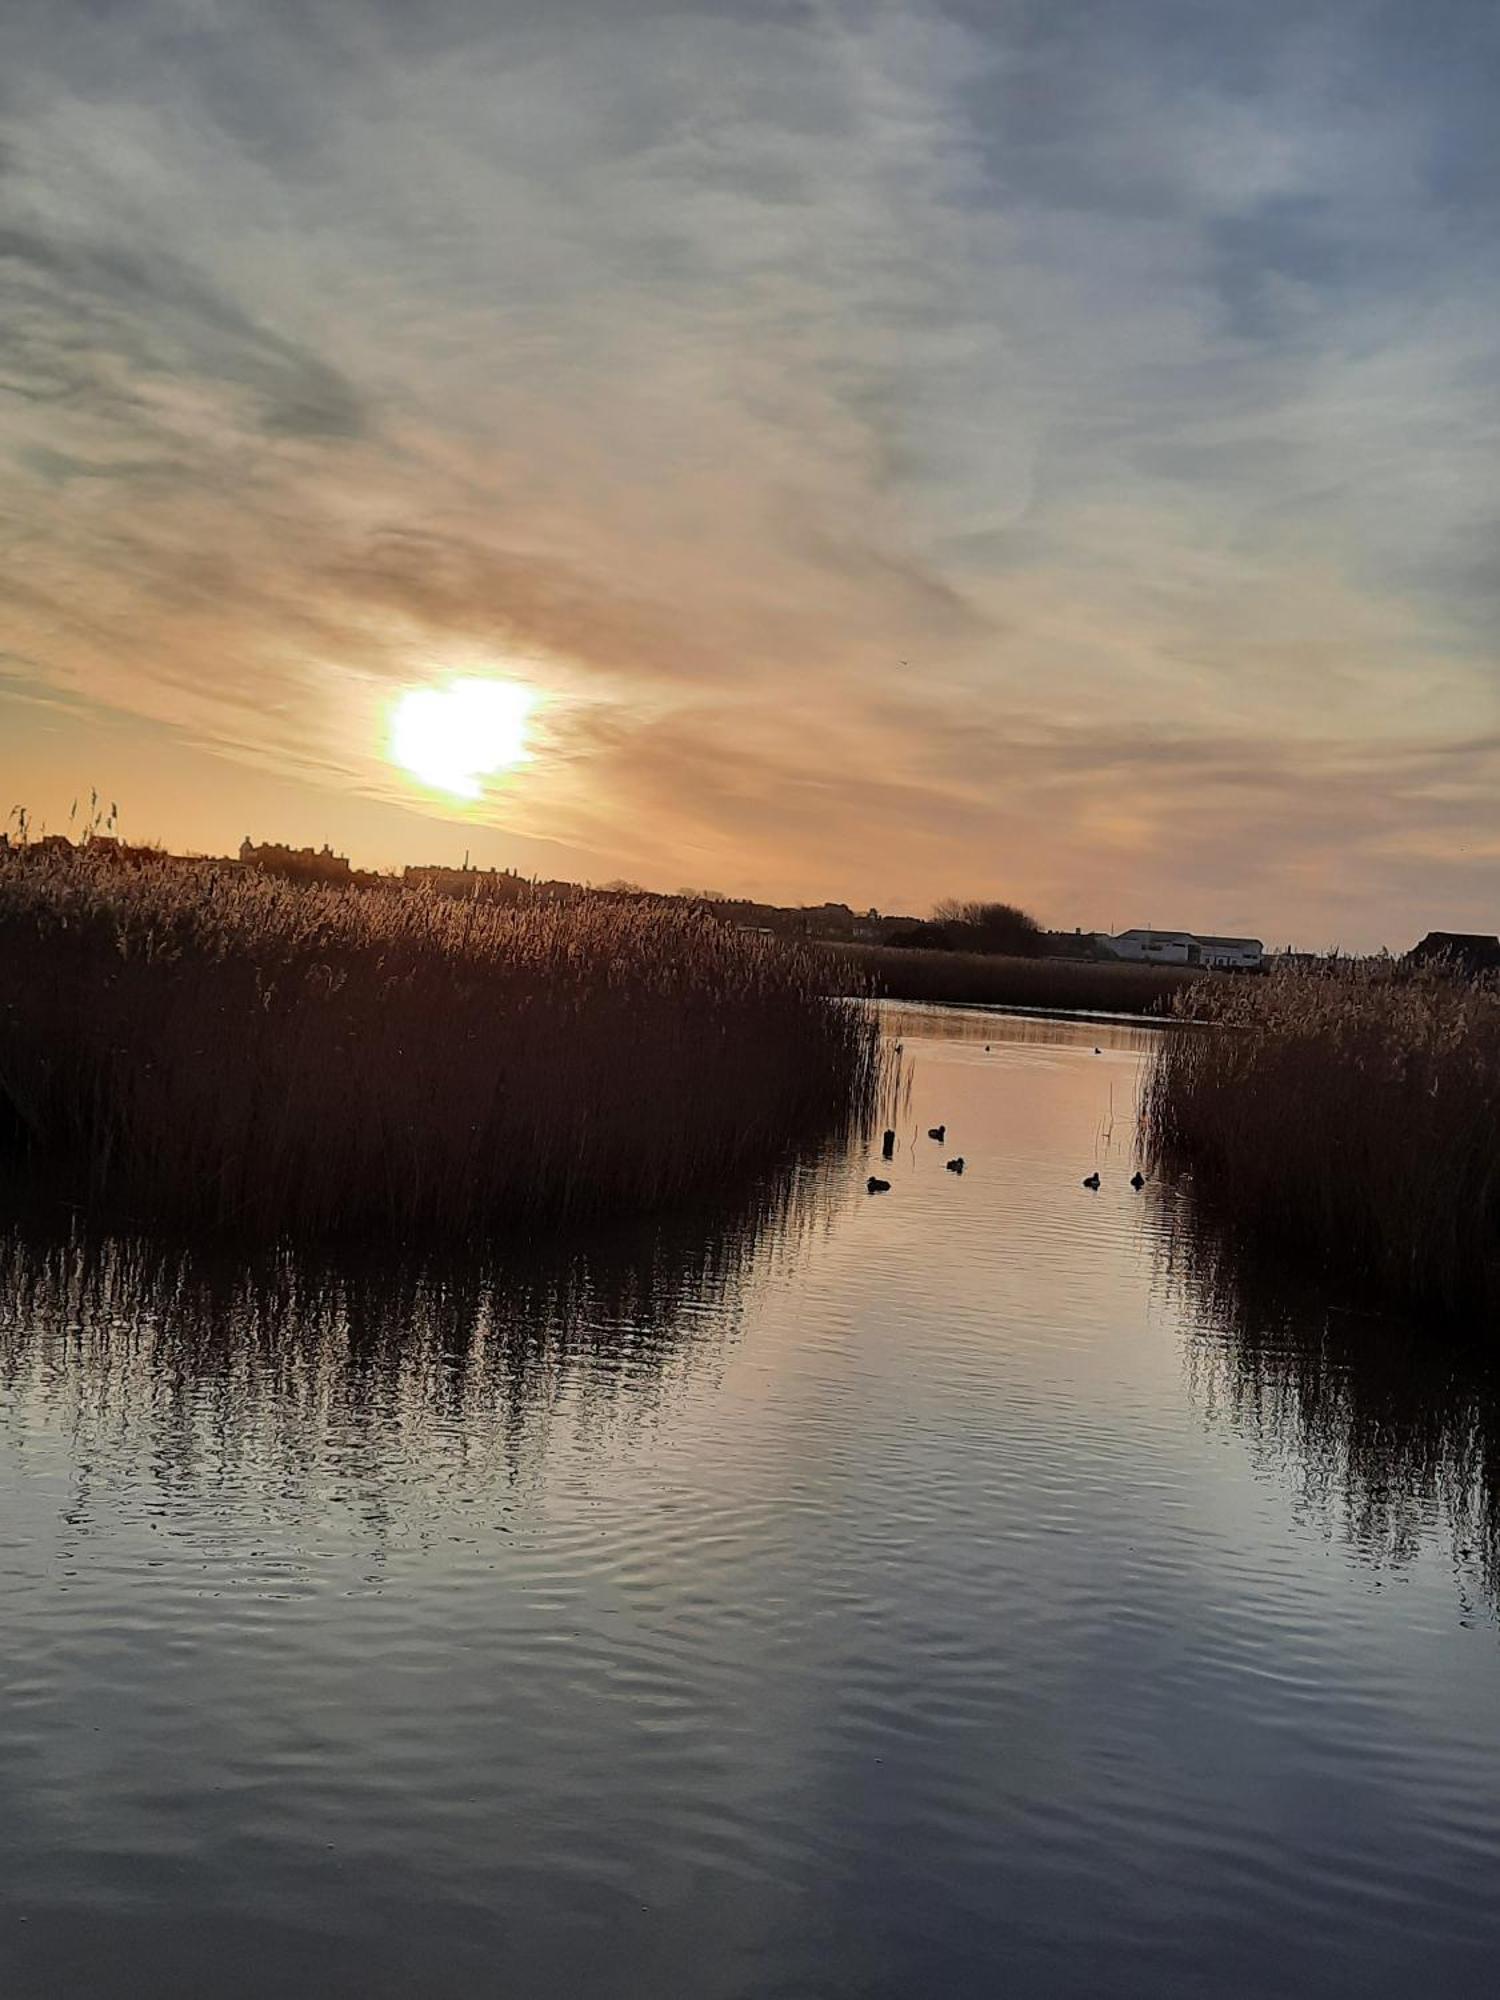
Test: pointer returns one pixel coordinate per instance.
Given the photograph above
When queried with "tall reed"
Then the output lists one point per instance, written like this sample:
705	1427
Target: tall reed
1351	1111
228	1049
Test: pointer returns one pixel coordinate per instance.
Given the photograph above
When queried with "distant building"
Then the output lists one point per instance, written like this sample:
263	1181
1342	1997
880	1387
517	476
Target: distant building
1466	952
479	885
296	864
1150	947
1229	954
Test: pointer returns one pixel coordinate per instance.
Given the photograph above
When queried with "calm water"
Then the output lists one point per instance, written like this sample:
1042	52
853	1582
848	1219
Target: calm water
987	1587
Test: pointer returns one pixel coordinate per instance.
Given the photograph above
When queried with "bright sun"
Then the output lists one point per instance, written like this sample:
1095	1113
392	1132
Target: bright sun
452	737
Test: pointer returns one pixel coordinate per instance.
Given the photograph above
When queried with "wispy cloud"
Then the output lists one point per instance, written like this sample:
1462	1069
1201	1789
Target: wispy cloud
915	446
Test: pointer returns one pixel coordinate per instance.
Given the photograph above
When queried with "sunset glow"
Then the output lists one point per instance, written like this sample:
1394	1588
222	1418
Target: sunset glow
452	738
1041	452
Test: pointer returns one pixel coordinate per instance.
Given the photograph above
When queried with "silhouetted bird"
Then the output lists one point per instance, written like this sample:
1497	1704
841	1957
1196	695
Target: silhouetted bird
1137	1181
874	1186
1097	1050
888	1146
937	1132
1091	1180
956	1166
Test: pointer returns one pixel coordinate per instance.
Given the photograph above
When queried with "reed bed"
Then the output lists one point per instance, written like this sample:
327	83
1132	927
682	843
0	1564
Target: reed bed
225	1049
1351	1112
980	979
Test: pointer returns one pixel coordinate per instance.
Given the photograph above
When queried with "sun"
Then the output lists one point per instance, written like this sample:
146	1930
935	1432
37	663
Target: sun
453	737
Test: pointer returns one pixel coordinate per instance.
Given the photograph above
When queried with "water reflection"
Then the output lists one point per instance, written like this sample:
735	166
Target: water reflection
200	1361
1391	1427
837	1595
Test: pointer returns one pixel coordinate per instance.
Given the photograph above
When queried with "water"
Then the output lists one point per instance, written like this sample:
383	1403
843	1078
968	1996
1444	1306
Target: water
986	1587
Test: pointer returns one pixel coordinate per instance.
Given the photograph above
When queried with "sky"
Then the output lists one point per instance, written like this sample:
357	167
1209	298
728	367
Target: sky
1041	448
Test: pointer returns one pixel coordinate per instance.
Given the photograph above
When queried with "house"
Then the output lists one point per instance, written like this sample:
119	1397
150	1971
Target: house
1151	947
1146	947
296	864
477	885
1229	954
1466	952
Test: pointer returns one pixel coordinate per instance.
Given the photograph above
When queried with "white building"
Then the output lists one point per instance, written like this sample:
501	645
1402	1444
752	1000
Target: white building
1231	954
1148	947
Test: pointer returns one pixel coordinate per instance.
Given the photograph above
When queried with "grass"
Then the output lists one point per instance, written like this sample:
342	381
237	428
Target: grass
1351	1113
980	979
221	1048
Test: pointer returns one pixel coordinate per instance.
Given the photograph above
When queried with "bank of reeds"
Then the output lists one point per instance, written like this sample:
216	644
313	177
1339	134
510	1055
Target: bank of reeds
222	1048
981	979
1351	1112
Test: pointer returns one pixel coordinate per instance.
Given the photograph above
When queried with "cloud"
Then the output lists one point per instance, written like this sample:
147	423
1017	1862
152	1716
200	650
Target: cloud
939	446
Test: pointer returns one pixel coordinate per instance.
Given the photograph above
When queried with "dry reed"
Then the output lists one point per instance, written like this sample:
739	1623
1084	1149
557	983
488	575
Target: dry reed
1063	985
225	1049
1351	1112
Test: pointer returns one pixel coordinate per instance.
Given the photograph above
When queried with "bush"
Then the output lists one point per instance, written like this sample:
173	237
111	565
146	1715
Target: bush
987	927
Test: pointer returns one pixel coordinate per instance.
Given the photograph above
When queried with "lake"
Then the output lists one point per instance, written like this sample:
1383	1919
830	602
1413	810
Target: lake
989	1586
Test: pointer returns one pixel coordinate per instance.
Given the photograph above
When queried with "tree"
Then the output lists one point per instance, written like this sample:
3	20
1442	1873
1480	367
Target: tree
990	927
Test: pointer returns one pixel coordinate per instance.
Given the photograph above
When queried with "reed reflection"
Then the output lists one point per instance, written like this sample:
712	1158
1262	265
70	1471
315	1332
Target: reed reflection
363	1370
1393	1424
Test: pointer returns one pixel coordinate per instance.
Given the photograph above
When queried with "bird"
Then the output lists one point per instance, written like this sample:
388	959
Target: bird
1137	1181
876	1186
938	1132
1097	1050
888	1146
1091	1180
956	1166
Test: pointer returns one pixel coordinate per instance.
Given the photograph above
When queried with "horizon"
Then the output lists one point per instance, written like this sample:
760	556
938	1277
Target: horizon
1273	942
940	449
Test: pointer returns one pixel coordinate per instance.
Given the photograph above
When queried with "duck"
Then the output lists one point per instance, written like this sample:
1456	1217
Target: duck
956	1166
888	1146
874	1185
1137	1181
1091	1180
938	1132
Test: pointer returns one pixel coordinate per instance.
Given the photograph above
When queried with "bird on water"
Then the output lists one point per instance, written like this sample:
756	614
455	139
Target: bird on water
937	1131
956	1166
1091	1180
876	1186
1137	1181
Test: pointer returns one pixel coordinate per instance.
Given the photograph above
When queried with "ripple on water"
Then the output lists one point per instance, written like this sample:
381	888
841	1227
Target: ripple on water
986	1587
